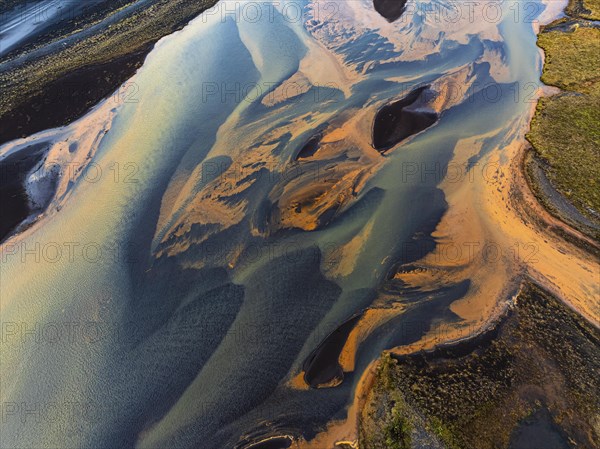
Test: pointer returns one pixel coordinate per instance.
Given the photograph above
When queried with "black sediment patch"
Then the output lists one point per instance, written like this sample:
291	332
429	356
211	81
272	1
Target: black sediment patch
390	9
14	202
394	123
310	148
322	367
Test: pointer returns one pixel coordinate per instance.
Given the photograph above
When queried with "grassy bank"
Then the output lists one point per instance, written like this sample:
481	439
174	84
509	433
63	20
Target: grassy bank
587	9
565	132
541	359
59	87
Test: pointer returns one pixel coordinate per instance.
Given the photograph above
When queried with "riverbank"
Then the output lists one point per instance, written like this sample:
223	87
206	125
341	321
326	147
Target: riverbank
59	78
536	366
563	166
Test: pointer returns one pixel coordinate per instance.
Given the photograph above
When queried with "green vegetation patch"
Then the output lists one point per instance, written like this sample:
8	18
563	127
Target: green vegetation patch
565	131
572	151
587	9
542	356
572	61
594	7
386	421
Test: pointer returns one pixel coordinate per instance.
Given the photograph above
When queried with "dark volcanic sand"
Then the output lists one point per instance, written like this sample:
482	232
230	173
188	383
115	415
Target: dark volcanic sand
310	148
393	123
14	203
390	9
322	366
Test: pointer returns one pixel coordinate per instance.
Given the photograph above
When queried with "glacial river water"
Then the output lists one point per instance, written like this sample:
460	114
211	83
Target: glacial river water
193	257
